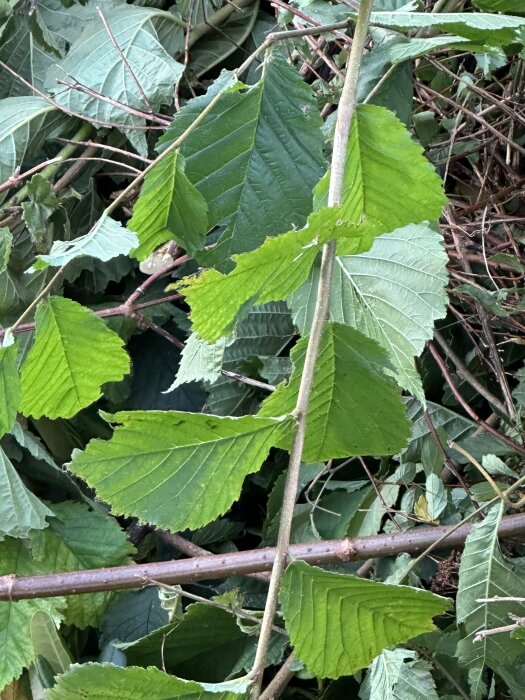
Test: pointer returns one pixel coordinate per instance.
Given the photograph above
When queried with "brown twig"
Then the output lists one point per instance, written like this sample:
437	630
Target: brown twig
220	566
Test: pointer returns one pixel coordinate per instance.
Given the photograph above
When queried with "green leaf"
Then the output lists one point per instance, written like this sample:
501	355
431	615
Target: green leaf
270	273
211	49
169	207
519	391
95	63
177	470
485	573
79	538
188	647
6	244
109	682
269	159
73	355
200	361
20	510
107	239
131	616
15	618
387	182
19	47
354	409
38	210
509	7
25	123
9	387
398	674
393	294
482	28
338	623
47	642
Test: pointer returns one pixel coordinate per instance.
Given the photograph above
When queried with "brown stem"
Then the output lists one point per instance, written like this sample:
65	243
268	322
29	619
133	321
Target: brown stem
219	566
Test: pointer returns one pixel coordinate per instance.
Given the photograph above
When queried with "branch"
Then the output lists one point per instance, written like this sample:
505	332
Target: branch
345	115
220	566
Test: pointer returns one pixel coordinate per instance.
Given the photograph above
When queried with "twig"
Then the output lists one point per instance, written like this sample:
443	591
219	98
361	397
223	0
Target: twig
468	376
470	411
518	624
281	679
220	566
342	129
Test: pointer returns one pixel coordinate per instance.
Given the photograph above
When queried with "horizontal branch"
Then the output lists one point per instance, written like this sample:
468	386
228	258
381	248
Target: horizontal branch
220	566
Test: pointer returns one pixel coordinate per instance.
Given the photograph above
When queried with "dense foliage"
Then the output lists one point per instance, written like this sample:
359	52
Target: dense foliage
166	179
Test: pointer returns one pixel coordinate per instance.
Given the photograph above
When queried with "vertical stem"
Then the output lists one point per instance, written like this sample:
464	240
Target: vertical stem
345	114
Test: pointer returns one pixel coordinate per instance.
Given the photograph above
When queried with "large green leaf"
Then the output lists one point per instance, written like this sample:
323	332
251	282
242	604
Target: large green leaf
255	157
270	273
169	207
20	510
108	682
25	123
398	674
177	470
95	63
486	573
354	409
387	182
15	618
338	623
73	355
393	294
107	239
482	28
9	387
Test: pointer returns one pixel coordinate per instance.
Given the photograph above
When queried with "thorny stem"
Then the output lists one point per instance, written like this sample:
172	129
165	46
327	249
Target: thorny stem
345	114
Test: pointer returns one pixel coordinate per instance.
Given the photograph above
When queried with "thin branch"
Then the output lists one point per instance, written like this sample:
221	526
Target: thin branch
219	566
281	679
342	129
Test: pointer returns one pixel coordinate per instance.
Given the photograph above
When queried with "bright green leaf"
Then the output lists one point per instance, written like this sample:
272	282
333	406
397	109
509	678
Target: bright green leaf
270	273
169	207
177	470
485	573
20	510
73	355
393	294
107	239
108	682
9	387
354	409
255	157
387	181
338	623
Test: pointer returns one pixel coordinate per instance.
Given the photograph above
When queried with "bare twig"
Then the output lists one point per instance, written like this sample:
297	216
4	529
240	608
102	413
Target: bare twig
220	566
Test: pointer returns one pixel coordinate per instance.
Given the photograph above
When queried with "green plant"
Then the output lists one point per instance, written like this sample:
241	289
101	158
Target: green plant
213	348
